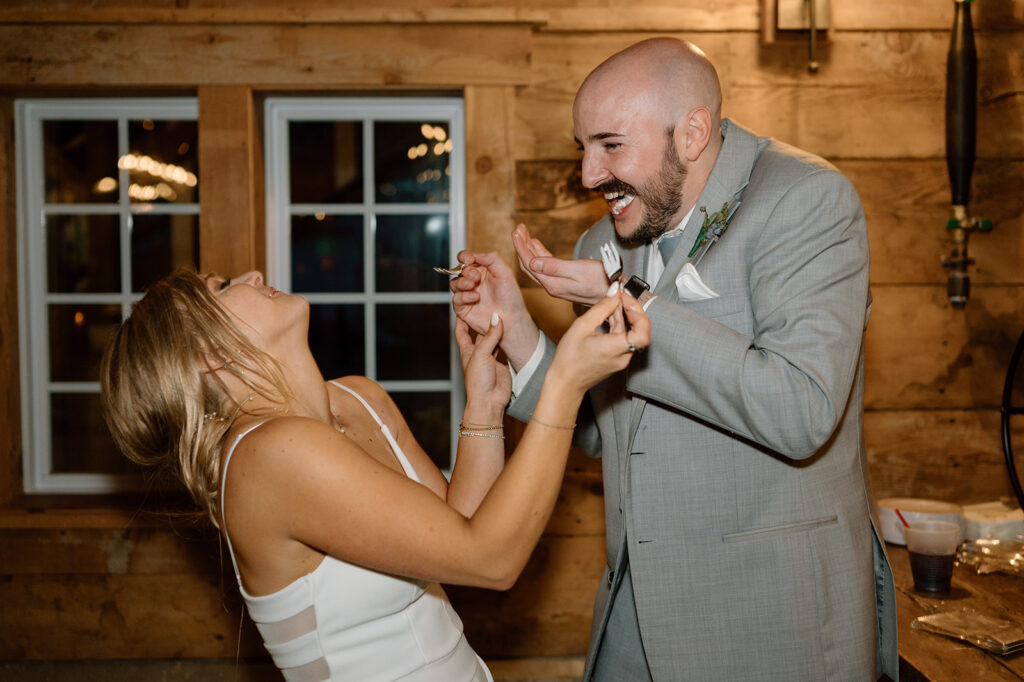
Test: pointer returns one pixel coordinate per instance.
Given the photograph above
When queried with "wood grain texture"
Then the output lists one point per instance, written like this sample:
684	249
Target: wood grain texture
878	95
10	386
332	56
954	455
227	226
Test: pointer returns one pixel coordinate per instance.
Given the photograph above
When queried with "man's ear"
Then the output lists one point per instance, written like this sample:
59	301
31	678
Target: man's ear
693	134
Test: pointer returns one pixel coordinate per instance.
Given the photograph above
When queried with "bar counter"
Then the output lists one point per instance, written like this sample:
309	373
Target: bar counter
936	658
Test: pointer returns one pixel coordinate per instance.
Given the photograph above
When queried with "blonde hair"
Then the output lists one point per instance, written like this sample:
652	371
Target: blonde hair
162	398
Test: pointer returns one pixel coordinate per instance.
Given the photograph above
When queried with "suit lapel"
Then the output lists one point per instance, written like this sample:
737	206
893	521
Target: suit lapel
725	185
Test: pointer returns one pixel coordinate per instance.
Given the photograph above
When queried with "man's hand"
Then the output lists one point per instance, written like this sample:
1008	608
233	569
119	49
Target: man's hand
488	286
579	281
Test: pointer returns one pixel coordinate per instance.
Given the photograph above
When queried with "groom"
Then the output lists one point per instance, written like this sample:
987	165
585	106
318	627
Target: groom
738	510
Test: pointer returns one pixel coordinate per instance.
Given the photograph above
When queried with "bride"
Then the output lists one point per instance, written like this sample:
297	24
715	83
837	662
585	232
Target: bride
339	525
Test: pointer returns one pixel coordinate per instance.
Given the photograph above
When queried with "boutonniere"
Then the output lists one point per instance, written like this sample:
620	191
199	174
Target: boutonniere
712	228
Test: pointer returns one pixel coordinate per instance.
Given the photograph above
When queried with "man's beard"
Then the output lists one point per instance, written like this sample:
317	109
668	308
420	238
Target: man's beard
661	198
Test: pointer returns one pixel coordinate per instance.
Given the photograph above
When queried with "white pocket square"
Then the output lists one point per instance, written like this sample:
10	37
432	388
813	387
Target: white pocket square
691	287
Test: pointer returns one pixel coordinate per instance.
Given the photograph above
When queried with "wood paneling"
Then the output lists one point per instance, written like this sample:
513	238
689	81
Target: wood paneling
939	454
489	168
333	56
227	165
924	354
10	398
877	95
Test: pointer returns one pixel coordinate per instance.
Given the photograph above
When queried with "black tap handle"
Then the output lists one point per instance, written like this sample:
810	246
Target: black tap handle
961	103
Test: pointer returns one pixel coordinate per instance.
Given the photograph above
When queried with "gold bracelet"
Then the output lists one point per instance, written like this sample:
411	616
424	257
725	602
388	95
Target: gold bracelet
552	426
481	427
464	432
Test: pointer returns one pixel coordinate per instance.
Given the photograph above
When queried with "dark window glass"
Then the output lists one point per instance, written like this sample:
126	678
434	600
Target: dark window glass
337	339
411	162
413	341
326	162
80	162
163	164
429	418
327	253
78	336
83	253
161	243
408	247
80	440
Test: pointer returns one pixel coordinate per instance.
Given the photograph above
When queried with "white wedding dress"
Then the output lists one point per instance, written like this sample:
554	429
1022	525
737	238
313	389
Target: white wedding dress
346	622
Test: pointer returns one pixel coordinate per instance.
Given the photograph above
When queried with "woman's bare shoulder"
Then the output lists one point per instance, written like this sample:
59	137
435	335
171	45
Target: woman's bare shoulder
281	441
368	389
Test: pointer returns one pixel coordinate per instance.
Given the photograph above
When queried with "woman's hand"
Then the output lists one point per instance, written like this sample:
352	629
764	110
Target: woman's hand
488	381
586	355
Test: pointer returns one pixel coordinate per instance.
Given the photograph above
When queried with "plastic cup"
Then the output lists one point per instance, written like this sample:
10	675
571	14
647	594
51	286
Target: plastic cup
932	547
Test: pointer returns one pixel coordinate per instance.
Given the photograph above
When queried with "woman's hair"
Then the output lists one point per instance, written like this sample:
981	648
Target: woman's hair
163	400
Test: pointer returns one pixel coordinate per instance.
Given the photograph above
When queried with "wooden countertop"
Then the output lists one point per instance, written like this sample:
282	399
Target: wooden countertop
928	656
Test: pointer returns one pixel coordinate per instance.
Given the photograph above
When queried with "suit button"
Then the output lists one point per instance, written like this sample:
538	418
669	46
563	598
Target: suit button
611	578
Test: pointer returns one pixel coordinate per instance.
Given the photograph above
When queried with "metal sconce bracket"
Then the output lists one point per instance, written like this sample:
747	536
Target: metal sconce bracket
797	20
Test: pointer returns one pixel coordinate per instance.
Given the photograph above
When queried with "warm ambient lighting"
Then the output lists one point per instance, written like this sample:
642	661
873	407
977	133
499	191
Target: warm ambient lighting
161	190
165	171
441	146
105	185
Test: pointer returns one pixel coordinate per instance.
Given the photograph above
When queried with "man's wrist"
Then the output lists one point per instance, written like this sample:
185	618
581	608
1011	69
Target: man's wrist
519	341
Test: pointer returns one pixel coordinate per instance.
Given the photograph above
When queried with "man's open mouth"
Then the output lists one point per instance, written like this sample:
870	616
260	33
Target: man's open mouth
618	201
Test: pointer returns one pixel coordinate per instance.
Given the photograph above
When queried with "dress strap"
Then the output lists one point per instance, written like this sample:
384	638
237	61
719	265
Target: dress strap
223	480
402	459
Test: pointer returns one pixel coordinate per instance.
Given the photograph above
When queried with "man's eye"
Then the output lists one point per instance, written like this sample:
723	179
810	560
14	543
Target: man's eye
224	285
612	145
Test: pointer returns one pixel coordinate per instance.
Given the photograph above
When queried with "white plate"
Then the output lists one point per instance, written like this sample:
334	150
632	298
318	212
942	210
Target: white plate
915	509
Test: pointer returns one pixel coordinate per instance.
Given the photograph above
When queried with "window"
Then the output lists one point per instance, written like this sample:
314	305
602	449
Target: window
108	202
364	197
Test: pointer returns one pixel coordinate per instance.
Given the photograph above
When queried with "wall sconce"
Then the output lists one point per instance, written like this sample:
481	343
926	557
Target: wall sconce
797	20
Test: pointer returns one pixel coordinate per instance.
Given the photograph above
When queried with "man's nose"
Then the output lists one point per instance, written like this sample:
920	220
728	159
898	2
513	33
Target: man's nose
593	173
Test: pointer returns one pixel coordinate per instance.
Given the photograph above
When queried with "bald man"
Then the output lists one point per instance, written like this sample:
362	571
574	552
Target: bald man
741	542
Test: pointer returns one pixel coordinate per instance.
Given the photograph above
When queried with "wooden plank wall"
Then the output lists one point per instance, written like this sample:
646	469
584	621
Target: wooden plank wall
109	583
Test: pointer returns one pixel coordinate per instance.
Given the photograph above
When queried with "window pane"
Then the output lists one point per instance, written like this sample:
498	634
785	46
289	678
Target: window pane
429	418
80	440
83	254
411	161
337	339
326	162
164	161
80	161
327	253
408	247
161	243
412	342
78	335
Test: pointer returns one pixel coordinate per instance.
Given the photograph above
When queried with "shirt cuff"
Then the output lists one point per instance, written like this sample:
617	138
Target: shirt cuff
522	377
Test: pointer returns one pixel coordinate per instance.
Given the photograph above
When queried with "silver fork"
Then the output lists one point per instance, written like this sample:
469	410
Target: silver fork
453	271
612	260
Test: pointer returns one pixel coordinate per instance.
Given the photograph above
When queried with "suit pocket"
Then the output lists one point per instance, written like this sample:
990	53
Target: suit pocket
784	529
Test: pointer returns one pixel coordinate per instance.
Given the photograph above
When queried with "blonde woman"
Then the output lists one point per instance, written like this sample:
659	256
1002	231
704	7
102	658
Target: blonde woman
339	525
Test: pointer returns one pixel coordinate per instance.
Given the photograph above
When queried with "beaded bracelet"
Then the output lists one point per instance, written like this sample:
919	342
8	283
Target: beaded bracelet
464	432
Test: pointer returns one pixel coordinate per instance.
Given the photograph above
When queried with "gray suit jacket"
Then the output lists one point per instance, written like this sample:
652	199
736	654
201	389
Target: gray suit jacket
735	474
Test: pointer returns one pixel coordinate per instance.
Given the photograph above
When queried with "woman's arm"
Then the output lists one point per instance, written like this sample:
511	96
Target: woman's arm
329	495
481	449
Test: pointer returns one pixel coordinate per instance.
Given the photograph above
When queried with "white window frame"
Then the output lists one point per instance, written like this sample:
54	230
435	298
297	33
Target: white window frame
33	297
278	113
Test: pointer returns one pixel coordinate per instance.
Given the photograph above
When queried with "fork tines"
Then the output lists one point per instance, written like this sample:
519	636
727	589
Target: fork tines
612	260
